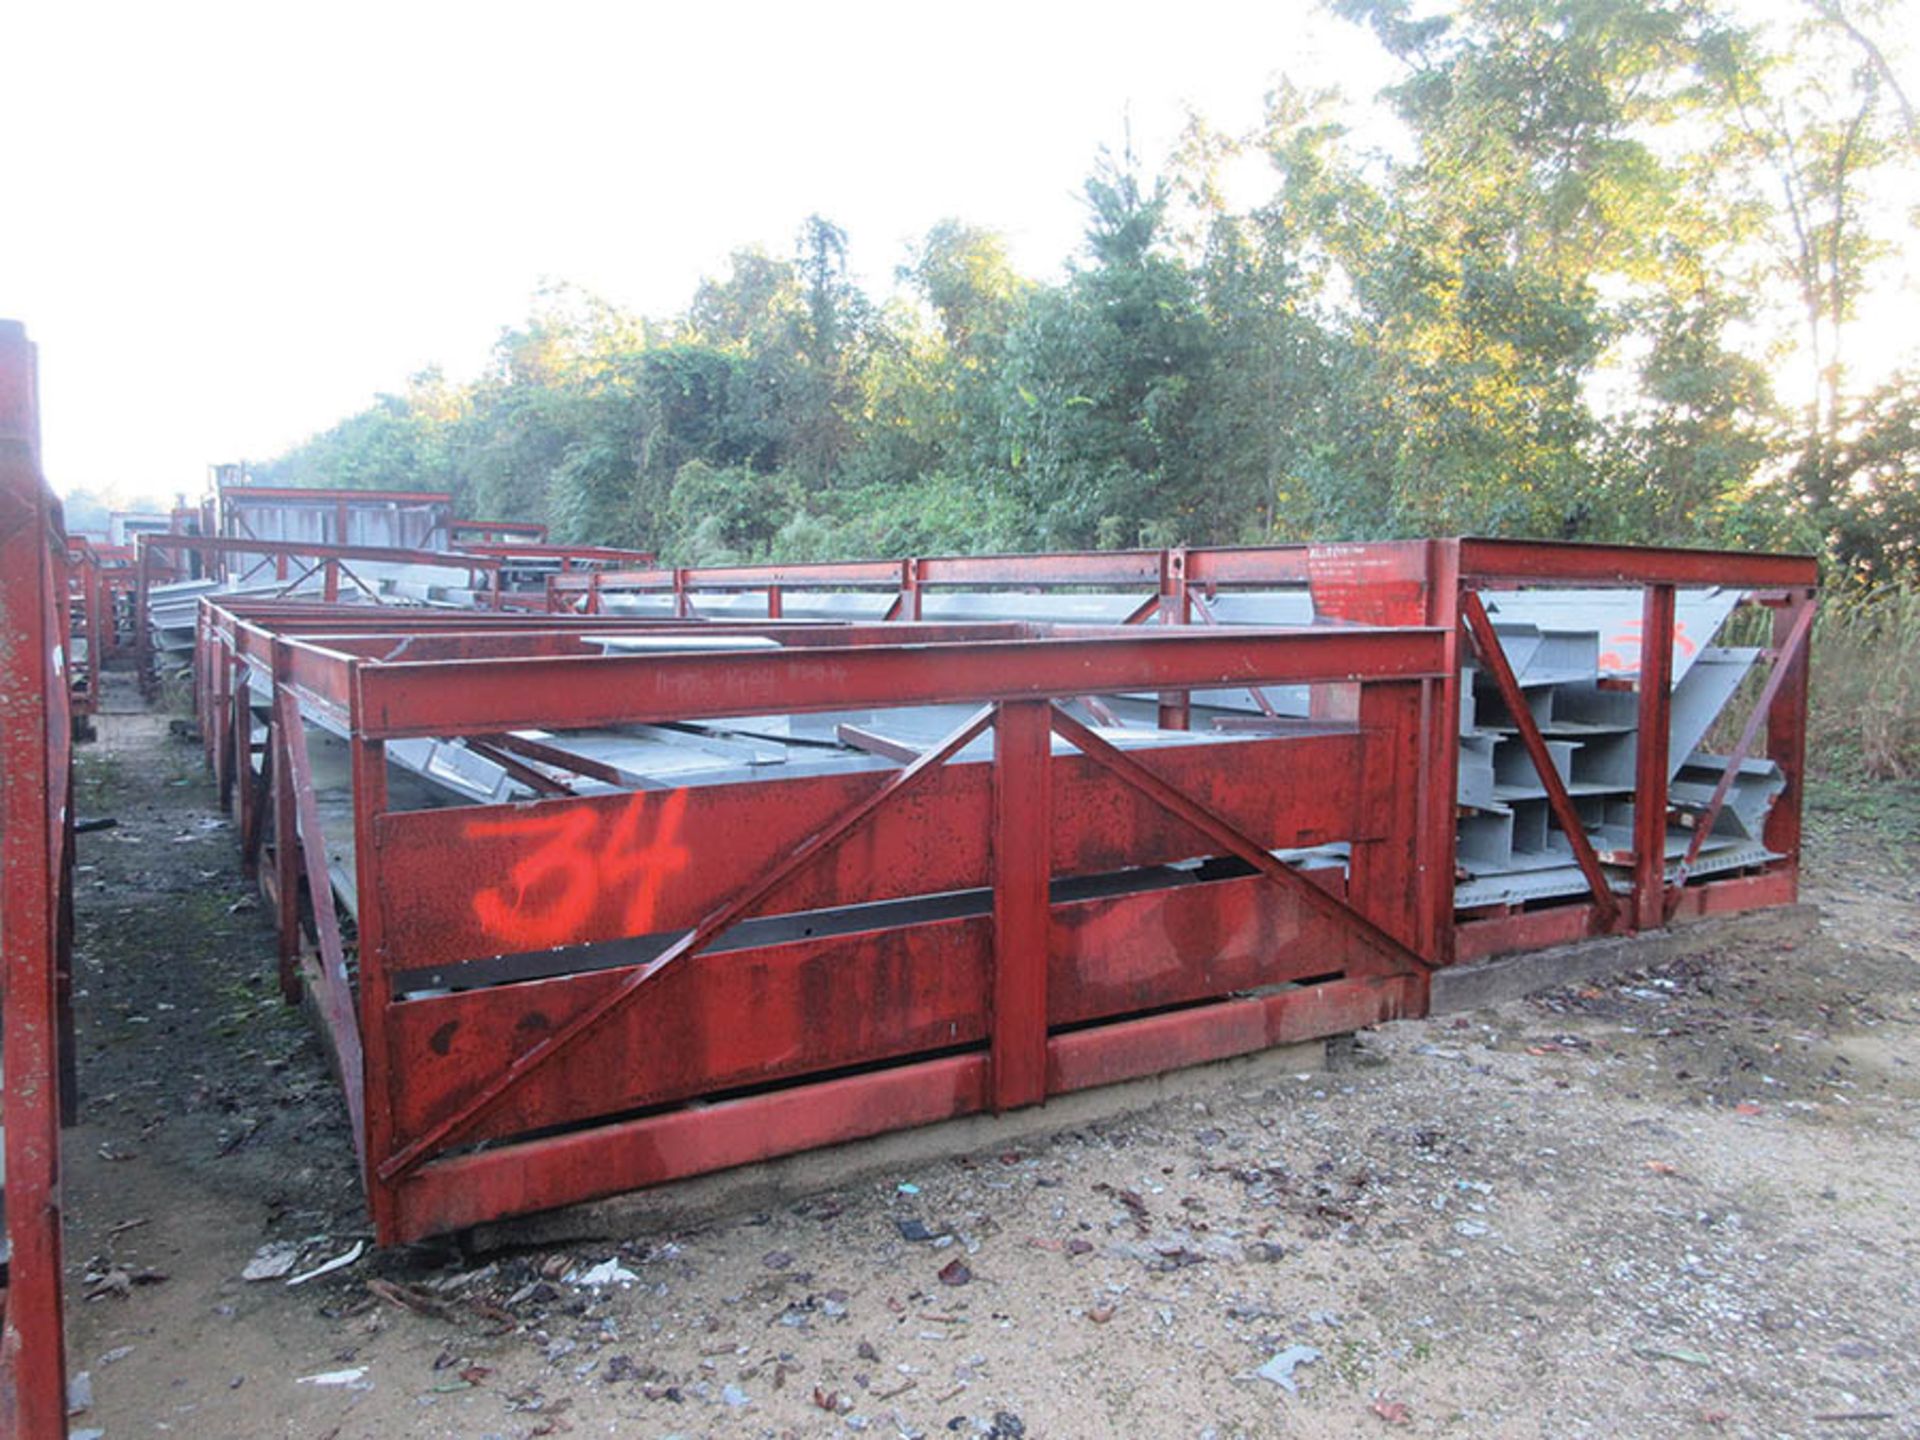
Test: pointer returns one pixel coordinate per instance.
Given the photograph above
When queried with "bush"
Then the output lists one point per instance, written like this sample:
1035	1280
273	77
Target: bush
1866	683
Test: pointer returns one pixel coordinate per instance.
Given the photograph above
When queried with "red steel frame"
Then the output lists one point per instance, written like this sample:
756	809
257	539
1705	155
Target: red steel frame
500	532
607	1076
35	894
230	522
627	1070
293	561
1416	582
87	603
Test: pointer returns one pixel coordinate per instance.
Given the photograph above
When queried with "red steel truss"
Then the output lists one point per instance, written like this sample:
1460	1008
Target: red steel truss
599	1074
1410	582
35	893
570	1010
292	563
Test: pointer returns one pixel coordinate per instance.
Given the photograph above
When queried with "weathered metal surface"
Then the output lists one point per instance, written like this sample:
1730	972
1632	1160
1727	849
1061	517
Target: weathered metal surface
35	836
751	901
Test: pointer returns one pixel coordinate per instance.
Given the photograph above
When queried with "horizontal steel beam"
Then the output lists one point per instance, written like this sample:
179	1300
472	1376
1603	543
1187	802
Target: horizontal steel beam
312	550
460	697
1570	563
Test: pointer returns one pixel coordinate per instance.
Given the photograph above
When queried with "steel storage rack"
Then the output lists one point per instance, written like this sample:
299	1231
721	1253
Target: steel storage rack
590	902
615	986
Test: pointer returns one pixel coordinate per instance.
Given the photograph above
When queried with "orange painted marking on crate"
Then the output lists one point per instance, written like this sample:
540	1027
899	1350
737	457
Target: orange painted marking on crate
554	889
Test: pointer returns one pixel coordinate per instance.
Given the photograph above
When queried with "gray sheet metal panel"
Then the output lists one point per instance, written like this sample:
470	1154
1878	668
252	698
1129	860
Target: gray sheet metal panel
1698	699
1615	616
1559	642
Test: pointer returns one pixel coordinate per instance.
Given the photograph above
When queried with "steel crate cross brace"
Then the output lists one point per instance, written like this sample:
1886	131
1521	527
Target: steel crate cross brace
1018	1069
1654	896
572	1082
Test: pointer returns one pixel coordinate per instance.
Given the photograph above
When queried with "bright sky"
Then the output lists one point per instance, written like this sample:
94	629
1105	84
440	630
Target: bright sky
229	226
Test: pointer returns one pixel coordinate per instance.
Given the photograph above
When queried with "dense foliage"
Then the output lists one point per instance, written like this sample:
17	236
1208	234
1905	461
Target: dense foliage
1605	289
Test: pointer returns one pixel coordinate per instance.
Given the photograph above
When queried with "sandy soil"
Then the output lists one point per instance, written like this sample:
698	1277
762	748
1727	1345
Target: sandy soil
1678	1203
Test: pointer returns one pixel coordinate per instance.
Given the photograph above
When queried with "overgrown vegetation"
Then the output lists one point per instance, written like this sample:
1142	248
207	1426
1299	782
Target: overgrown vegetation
1866	686
1607	285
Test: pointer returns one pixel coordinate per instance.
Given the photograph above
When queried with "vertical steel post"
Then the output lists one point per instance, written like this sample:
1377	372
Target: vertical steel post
1384	882
286	839
33	821
142	624
1650	758
1440	793
1176	707
1022	914
376	979
1787	735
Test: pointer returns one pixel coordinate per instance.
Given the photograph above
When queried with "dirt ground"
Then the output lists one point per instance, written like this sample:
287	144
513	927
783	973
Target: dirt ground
1677	1203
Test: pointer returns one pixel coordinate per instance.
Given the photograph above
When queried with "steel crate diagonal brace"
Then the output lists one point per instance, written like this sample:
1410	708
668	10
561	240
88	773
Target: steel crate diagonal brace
1487	643
528	1061
336	992
1229	838
1783	663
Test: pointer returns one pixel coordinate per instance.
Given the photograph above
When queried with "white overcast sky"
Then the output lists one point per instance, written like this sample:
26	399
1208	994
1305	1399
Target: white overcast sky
228	227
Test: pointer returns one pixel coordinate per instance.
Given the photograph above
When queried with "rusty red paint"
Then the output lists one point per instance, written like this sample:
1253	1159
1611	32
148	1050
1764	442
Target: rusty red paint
503	1062
35	835
574	865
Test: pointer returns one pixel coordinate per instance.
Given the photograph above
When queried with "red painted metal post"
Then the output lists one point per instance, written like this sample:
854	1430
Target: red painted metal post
1654	740
1440	795
376	979
1022	857
1384	882
1176	708
334	990
1787	733
34	828
1776	680
286	841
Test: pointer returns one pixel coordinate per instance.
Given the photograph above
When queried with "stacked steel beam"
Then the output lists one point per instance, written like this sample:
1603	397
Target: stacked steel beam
683	842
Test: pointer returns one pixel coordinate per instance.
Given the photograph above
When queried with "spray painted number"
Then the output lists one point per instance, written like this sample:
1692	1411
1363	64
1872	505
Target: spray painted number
583	870
1623	652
